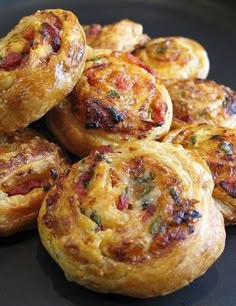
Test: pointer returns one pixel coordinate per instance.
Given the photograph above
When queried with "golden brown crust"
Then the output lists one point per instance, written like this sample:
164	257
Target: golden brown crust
41	60
217	146
124	35
198	101
139	221
29	165
175	58
117	99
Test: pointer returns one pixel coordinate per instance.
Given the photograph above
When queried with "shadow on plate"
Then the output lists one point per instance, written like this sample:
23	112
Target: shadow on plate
18	238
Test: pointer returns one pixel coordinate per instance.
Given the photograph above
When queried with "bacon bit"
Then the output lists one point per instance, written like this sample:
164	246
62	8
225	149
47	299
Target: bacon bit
26	187
57	23
123	201
51	200
128	251
28	34
91	73
136	168
53	35
177	235
186	118
104	149
11	61
159	113
147	68
27	47
83	182
162	242
93	30
230	187
133	59
122	82
91	78
149	212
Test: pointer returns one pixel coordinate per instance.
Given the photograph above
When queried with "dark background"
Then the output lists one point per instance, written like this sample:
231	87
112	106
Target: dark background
27	274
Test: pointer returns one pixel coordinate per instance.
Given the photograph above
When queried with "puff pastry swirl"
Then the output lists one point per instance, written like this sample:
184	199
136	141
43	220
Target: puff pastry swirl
175	58
197	101
138	221
117	99
29	165
217	146
41	61
124	35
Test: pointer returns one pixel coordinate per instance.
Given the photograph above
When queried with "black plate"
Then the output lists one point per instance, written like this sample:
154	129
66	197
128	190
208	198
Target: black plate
28	276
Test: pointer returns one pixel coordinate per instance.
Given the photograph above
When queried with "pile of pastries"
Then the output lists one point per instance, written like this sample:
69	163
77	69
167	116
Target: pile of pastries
143	210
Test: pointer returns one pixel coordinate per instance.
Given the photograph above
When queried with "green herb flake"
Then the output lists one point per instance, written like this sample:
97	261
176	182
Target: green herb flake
113	94
95	59
226	147
193	140
161	49
146	191
96	218
155	226
175	196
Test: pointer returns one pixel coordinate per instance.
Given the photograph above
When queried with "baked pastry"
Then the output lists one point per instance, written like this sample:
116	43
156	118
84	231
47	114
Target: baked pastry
175	58
124	35
217	146
29	165
41	60
197	101
117	99
138	221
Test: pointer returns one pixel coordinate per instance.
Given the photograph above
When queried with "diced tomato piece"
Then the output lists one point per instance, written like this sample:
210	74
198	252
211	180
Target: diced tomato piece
123	202
26	187
83	182
11	61
28	34
158	113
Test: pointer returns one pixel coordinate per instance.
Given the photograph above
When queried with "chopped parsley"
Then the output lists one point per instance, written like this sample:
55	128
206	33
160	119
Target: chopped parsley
96	218
146	191
113	94
95	59
161	49
193	140
155	226
175	196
